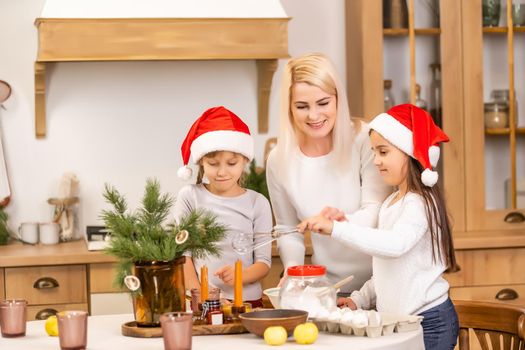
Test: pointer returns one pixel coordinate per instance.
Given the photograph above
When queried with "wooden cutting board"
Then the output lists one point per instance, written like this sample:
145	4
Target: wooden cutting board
130	329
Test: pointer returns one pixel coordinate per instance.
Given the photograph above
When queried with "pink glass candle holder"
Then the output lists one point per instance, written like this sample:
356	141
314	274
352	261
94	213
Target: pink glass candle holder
177	330
13	317
72	330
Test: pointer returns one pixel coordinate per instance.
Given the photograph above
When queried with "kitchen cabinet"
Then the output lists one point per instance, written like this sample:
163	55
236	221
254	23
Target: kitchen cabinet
51	278
481	167
47	289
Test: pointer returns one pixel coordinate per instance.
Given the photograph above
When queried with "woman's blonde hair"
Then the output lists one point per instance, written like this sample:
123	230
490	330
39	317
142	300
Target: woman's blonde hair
314	69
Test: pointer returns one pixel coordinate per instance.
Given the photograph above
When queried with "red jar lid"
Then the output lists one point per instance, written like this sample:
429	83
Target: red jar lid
306	270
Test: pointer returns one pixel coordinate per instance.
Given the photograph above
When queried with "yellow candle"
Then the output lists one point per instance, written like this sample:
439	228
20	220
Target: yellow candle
204	283
237	284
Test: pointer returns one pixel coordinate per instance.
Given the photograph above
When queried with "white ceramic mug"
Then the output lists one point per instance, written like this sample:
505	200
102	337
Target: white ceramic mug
28	232
49	233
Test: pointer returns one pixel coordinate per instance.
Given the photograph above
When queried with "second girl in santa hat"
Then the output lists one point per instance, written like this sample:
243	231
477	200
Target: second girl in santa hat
219	142
412	246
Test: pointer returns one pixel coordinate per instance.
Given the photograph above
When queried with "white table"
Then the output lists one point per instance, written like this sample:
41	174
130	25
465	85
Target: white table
104	333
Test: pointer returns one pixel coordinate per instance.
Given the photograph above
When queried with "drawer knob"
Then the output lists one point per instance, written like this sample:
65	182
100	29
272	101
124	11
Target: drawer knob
46	283
507	294
44	314
514	217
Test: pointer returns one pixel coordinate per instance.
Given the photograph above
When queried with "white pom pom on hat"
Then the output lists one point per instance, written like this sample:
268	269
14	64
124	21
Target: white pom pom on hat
412	130
217	129
184	173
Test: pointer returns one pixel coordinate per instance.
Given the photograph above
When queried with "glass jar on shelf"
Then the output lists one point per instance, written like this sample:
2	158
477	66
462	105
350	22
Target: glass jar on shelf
388	97
435	93
307	288
419	101
491	12
502	96
496	115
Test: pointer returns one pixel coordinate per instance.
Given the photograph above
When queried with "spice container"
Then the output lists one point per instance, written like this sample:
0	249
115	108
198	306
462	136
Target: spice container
307	288
496	115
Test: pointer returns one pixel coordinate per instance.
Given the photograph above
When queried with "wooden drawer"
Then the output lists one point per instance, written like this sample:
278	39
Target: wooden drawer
2	285
488	293
48	310
102	277
489	267
58	284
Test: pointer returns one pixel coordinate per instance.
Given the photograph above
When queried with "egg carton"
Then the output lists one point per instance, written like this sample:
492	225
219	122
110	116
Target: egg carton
390	323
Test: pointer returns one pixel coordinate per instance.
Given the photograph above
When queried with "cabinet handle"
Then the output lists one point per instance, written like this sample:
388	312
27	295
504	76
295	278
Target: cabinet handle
45	313
514	217
46	283
507	294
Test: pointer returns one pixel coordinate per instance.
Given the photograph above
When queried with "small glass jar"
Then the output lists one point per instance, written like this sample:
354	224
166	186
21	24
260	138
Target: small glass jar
388	97
496	115
307	288
490	12
213	313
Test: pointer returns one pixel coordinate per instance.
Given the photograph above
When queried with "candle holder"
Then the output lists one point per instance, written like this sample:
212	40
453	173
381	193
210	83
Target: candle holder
236	311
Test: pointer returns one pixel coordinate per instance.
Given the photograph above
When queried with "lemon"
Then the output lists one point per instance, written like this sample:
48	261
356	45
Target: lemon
52	326
275	335
305	333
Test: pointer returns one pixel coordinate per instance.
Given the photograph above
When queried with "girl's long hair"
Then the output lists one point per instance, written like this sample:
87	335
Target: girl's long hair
317	70
437	217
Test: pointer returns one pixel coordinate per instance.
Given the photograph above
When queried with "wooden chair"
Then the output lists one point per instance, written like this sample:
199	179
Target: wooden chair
499	322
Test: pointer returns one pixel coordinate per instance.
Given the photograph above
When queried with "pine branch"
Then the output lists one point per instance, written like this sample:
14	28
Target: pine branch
4	230
143	236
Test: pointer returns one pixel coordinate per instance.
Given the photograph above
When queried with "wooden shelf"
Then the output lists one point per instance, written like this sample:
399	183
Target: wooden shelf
404	31
504	131
502	30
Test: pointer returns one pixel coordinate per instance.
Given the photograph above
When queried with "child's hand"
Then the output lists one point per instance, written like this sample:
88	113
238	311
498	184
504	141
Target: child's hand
318	224
346	302
226	274
333	214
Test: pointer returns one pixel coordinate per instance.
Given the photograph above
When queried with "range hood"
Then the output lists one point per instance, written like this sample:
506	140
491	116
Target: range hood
138	30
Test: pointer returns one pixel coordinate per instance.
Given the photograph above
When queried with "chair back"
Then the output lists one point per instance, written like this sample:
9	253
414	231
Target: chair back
501	325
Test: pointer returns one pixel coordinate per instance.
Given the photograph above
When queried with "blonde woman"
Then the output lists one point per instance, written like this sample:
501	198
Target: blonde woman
323	158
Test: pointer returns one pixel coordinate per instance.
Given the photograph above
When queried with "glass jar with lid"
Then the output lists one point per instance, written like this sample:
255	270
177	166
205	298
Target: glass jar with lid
388	97
502	96
307	288
496	115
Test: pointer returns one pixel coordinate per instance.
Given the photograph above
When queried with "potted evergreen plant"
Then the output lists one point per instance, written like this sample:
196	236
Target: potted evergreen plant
150	250
4	230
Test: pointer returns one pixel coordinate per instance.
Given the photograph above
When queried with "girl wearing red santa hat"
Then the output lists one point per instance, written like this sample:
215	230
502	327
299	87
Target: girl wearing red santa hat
412	246
219	142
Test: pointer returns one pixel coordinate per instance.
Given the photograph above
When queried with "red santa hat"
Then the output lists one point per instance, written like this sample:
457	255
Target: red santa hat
217	129
412	130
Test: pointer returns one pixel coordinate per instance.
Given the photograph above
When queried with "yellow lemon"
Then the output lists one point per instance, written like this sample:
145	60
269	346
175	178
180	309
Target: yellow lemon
52	326
275	335
305	333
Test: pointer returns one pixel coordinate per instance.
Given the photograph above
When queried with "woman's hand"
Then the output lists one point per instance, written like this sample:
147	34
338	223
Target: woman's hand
226	274
318	224
333	214
346	302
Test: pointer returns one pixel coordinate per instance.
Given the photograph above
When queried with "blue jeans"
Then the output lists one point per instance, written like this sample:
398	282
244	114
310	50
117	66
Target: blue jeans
440	327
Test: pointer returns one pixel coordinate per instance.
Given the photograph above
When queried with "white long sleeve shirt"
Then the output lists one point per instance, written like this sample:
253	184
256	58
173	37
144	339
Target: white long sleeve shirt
248	213
405	278
311	185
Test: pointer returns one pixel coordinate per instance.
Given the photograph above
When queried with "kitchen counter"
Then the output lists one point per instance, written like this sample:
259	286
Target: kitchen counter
17	254
104	333
70	253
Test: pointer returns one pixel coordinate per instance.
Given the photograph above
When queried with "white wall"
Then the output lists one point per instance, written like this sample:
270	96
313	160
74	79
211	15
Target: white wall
122	122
